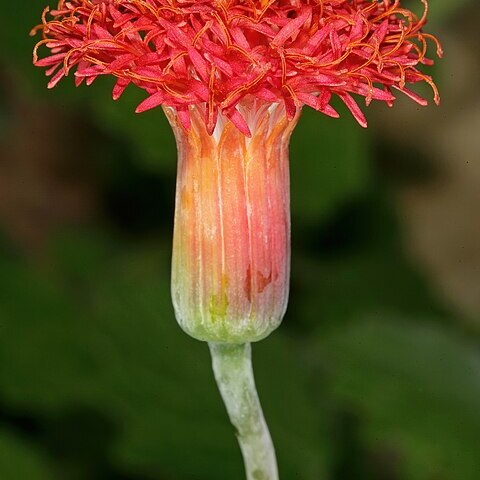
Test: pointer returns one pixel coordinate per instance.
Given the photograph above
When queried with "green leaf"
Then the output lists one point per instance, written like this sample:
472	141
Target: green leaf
358	266
329	164
19	460
418	390
148	135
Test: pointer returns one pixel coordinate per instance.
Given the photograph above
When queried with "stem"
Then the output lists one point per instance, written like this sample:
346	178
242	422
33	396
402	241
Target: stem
232	366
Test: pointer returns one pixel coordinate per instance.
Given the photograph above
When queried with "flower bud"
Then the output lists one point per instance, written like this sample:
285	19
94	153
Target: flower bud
231	245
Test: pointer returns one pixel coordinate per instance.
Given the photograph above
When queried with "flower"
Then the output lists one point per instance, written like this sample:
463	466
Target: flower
218	52
232	77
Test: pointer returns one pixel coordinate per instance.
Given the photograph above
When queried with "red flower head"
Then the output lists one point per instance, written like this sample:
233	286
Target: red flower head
226	70
217	53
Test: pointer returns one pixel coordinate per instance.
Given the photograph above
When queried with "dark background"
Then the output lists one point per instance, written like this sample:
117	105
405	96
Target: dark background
375	372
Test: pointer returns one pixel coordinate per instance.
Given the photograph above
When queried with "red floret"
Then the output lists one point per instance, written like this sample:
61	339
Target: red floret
217	52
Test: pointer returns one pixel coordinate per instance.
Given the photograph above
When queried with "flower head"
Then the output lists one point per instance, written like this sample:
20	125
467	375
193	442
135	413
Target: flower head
225	70
216	53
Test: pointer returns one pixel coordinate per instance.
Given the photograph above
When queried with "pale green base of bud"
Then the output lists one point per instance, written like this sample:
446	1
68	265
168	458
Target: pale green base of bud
228	331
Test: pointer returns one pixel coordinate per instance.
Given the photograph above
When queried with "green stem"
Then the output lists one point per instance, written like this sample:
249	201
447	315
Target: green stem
232	366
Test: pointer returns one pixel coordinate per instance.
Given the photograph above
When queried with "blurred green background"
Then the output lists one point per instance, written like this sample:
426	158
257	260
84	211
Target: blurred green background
375	373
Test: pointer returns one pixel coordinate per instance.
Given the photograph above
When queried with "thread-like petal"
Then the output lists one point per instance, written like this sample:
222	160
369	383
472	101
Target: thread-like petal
215	53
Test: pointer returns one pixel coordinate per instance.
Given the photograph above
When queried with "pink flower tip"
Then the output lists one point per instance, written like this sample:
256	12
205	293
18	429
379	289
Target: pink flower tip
216	53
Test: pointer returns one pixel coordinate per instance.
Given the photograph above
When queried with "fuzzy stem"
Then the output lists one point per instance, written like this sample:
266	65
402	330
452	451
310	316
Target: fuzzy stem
232	366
